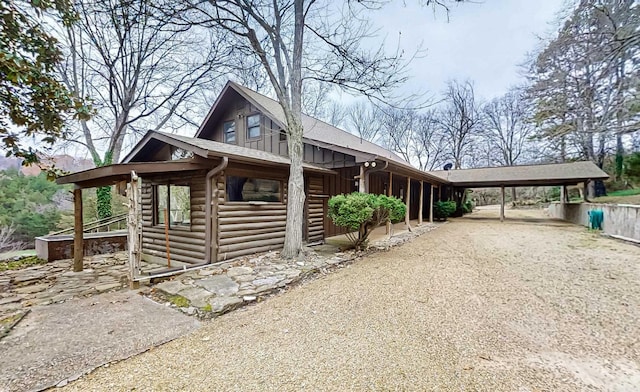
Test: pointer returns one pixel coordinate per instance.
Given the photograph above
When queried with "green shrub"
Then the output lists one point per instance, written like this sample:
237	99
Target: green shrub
444	209
363	212
467	207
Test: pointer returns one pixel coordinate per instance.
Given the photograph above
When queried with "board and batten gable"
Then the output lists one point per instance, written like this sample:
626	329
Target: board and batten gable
232	107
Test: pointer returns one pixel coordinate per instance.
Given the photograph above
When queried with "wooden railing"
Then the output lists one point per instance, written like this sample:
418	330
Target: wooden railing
115	222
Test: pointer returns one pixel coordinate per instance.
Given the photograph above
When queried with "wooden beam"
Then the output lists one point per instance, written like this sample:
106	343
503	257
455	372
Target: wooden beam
502	203
407	217
431	203
420	201
78	237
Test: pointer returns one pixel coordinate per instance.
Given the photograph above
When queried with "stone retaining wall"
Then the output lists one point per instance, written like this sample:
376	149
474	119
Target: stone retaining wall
619	219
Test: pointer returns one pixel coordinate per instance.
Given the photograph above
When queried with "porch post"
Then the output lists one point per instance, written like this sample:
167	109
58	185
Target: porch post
421	202
134	226
585	191
361	182
430	203
502	203
407	219
78	238
390	193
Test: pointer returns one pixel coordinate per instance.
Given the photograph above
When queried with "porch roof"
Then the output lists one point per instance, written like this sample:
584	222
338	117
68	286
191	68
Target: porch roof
526	175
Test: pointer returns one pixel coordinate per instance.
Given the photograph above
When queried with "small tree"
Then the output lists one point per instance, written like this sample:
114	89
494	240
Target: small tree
363	212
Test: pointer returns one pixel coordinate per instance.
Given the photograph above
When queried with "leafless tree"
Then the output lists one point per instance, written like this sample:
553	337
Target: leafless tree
429	142
297	41
507	129
365	120
397	128
459	119
140	72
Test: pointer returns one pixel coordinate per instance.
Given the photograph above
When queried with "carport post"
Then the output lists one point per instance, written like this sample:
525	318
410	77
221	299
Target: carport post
407	217
430	203
502	203
78	240
421	202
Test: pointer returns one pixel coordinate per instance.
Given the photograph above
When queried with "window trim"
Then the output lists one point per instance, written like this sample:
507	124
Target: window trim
235	131
255	202
246	123
155	206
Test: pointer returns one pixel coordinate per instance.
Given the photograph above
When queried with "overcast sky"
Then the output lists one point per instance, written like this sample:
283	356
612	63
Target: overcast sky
484	41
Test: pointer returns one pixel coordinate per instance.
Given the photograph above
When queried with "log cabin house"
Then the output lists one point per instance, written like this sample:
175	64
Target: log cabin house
222	193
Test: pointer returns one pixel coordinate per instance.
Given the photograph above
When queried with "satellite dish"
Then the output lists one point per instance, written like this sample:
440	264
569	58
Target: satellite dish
448	166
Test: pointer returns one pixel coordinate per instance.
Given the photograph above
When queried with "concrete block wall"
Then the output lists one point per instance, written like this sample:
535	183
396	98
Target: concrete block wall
619	219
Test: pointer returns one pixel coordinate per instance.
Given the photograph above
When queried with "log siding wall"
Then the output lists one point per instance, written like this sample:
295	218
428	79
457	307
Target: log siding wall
244	228
186	244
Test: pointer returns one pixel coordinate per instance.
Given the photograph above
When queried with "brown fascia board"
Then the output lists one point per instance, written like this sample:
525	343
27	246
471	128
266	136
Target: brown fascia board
523	183
123	171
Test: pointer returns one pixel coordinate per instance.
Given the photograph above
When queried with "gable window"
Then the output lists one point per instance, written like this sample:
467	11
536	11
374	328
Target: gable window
172	202
229	128
253	126
253	189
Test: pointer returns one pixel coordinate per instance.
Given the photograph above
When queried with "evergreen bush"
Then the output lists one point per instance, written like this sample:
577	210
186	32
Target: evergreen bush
444	209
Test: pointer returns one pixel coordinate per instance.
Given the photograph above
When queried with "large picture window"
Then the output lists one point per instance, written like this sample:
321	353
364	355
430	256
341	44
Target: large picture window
173	202
229	128
253	189
253	126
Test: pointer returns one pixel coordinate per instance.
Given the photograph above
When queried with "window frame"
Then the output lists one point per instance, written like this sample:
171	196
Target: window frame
156	206
255	202
259	126
225	133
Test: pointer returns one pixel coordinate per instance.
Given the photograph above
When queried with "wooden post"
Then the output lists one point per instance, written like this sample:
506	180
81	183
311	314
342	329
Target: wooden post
420	208
407	217
585	191
431	203
502	203
134	225
166	236
78	237
362	187
390	193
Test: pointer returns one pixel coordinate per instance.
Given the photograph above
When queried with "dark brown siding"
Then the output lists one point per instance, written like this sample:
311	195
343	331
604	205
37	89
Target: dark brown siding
316	199
344	182
186	244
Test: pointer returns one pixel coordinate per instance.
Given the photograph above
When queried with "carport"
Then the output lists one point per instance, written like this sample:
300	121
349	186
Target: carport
556	174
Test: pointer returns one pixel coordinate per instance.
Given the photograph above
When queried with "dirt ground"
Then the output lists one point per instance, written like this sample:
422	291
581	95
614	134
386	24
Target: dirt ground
525	305
54	342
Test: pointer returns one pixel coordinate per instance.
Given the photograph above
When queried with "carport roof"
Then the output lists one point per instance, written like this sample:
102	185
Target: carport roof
529	175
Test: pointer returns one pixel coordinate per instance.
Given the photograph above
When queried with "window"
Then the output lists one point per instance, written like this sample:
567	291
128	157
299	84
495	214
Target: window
229	128
253	126
253	189
283	135
173	202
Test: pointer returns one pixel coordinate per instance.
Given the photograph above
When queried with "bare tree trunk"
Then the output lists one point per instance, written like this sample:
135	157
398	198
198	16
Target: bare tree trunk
295	192
513	195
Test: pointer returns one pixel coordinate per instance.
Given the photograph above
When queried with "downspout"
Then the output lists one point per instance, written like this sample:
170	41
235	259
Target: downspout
207	207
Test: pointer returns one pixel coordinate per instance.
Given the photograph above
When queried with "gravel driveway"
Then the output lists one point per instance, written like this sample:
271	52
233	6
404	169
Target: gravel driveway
527	305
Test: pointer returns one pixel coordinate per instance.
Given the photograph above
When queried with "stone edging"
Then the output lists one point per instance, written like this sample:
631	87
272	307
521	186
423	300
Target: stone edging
221	288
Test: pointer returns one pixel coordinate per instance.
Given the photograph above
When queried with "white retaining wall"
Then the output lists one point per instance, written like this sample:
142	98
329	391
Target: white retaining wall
619	219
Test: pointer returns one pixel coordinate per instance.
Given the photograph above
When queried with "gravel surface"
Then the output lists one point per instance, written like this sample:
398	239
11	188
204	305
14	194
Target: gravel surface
55	342
527	305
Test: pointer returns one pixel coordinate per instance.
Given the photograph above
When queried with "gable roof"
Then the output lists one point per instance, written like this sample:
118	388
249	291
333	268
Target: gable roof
315	130
211	149
525	175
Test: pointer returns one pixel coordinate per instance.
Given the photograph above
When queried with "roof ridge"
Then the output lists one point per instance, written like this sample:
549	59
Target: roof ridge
506	166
